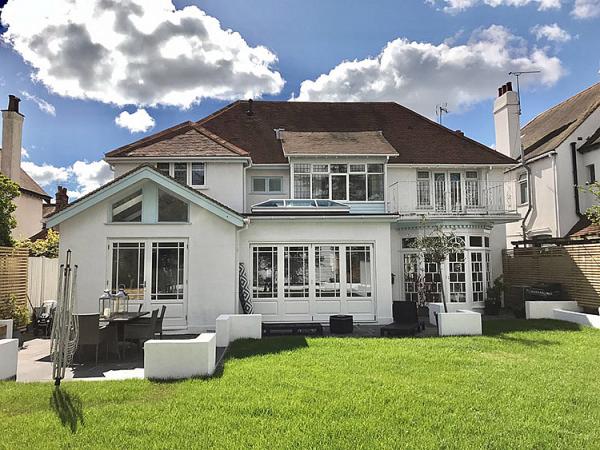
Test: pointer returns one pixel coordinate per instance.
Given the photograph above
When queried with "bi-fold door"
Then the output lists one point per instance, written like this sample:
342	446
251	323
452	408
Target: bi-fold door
310	282
153	273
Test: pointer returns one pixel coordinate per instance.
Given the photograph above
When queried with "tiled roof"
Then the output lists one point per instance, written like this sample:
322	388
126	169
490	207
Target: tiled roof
29	185
335	143
548	130
584	227
416	139
591	143
183	140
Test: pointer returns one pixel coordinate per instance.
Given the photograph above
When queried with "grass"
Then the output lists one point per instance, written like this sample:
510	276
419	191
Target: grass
525	384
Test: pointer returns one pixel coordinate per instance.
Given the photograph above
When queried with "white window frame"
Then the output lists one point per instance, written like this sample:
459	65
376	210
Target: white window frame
346	175
268	189
590	172
522	180
188	180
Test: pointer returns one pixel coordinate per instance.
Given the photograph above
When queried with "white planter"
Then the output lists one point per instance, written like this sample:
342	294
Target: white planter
231	327
590	320
545	309
176	359
439	308
460	323
9	327
9	349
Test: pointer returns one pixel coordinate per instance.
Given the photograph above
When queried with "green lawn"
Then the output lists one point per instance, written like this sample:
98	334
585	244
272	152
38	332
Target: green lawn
525	384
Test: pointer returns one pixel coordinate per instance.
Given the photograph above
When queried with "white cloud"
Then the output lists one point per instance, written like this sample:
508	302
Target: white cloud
83	176
586	9
136	52
44	106
135	122
420	74
454	6
46	174
551	33
24	153
90	175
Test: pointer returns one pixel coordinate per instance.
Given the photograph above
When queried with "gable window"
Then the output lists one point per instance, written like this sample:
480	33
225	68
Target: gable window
523	190
345	182
591	173
267	185
193	174
128	209
171	208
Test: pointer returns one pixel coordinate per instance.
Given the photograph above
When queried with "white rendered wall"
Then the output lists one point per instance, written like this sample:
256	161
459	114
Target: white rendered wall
253	198
224	180
545	309
9	349
212	271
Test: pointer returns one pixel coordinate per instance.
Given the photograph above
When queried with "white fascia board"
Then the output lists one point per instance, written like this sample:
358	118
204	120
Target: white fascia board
495	218
270	166
338	155
143	174
140	160
348	218
449	166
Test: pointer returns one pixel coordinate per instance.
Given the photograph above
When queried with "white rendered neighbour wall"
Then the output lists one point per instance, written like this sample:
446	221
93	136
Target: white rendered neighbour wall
28	215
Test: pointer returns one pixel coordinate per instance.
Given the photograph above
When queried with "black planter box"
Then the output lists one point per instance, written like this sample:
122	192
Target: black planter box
341	324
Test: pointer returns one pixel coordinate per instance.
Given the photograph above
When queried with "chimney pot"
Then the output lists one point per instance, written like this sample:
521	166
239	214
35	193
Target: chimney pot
500	91
250	110
13	103
509	86
62	198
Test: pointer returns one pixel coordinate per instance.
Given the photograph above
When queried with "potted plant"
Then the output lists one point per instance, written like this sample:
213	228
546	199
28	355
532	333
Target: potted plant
493	301
19	314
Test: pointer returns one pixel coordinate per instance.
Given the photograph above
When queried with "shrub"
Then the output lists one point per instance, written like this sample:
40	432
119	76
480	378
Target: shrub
18	313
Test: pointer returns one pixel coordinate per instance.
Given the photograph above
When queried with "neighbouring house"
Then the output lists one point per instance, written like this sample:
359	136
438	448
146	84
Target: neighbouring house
31	202
320	202
561	148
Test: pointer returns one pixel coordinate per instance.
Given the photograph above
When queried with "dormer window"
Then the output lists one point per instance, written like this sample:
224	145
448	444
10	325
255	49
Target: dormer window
339	182
192	174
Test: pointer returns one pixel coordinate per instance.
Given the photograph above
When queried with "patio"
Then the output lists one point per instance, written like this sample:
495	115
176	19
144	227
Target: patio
35	364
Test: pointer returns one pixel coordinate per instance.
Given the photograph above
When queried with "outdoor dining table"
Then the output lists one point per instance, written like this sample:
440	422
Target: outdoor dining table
121	319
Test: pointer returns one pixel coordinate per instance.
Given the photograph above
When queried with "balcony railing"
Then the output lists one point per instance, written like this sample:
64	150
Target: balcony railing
465	197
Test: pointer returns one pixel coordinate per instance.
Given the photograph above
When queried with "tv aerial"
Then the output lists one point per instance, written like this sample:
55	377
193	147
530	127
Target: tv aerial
517	74
440	110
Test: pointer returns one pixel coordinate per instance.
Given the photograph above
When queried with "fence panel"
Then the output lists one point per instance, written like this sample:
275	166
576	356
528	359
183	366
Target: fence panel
13	275
575	267
43	279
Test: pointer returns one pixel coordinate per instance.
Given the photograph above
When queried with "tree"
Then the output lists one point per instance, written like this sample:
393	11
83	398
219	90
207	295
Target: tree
593	212
42	247
9	190
437	246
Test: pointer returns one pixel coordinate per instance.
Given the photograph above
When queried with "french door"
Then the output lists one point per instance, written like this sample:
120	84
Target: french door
310	282
448	191
153	273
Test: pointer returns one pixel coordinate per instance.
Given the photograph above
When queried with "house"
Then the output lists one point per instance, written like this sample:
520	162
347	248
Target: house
561	150
31	202
319	202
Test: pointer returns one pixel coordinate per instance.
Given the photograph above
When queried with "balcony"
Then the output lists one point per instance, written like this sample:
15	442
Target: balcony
452	198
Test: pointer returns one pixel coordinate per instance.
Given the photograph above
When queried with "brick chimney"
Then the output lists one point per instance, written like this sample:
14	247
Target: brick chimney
506	122
12	138
61	198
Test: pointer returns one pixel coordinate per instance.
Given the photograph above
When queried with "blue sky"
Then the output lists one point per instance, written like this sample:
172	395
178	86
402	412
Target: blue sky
305	40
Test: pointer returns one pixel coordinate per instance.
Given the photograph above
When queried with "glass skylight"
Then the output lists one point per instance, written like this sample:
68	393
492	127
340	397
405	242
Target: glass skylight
299	205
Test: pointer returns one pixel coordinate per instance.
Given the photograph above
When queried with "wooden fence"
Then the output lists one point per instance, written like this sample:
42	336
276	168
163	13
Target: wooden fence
43	279
575	267
13	275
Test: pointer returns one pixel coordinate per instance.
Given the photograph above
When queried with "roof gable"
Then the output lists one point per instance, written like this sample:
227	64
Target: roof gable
29	185
416	139
550	129
184	140
144	172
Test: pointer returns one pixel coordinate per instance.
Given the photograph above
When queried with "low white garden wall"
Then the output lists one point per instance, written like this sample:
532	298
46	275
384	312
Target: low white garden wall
9	327
545	309
462	322
9	349
581	318
231	327
174	359
439	308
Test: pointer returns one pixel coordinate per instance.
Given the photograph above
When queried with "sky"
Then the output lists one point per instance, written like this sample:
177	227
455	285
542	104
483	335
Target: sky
94	75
